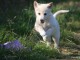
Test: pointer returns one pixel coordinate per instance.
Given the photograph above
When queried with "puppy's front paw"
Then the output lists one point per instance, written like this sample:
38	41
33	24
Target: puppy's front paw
42	33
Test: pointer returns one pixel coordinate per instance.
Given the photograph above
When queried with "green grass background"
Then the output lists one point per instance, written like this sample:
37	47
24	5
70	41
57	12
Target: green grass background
17	20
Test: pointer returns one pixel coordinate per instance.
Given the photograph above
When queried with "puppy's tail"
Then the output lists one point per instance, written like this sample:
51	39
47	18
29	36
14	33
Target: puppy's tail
59	12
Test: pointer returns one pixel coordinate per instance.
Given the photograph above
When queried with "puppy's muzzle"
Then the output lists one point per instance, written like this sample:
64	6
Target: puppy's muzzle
42	21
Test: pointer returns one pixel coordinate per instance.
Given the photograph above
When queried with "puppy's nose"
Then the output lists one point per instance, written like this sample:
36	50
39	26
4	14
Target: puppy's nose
42	21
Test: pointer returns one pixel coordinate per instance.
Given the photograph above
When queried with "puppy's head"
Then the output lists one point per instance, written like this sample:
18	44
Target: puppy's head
42	11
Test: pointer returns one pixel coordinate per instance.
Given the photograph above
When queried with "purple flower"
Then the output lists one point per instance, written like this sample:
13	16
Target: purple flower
15	45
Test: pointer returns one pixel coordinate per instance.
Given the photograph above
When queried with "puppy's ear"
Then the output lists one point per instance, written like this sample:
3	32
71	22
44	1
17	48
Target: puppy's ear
50	4
35	4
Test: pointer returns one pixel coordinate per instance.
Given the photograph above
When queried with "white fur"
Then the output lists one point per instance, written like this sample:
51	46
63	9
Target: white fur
60	11
50	28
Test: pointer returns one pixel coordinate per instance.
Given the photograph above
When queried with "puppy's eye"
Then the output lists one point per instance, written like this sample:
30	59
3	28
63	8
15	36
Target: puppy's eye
38	13
45	13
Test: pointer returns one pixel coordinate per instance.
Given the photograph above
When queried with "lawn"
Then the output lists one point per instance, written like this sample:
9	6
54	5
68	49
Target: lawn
17	23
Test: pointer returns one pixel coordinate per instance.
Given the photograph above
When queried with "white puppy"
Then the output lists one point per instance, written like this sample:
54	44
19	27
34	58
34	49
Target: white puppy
46	23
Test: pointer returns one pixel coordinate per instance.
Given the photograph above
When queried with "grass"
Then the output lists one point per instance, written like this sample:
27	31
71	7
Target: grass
17	22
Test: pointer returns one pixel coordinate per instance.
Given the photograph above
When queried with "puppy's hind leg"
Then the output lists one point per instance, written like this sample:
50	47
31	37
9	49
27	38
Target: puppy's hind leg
56	43
56	40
